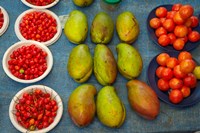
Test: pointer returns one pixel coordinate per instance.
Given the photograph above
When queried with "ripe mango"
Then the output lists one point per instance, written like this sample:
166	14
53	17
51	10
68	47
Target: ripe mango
80	63
76	27
110	109
129	61
105	66
127	27
81	105
143	99
102	28
82	3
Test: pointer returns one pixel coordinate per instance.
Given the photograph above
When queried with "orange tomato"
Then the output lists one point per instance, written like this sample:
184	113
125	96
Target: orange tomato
162	58
181	31
161	12
175	96
183	55
187	66
185	91
186	11
171	62
164	40
155	23
179	44
175	83
194	36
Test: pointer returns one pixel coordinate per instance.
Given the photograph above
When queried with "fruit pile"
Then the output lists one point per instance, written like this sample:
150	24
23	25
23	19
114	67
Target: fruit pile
175	27
36	109
1	18
38	26
40	2
175	75
28	62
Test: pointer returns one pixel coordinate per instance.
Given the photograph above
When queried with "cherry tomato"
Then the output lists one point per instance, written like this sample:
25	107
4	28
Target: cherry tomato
175	83
188	22
163	85
195	21
179	44
194	36
178	73
183	55
169	25
162	20
159	71
155	23
170	14
167	73
160	31
186	11
162	58
178	19
171	62
164	40
181	31
175	96
185	91
187	66
161	12
176	7
190	81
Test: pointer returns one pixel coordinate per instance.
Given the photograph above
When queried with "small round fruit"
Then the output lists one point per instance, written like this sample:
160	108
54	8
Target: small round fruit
186	11
194	36
185	91
170	14
167	73
181	31
172	62
169	25
190	81
155	23
178	73
160	31
178	44
183	55
161	12
162	58
175	96
187	66
175	83
177	19
159	71
195	21
176	7
196	72
172	37
164	40
163	85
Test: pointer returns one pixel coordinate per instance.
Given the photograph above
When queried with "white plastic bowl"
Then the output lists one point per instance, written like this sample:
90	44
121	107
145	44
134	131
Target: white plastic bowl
7	54
47	43
6	21
40	7
30	89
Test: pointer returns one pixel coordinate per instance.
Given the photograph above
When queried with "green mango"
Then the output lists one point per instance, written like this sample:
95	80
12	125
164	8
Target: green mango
82	3
143	99
102	28
127	27
76	27
129	61
105	66
80	63
110	109
81	105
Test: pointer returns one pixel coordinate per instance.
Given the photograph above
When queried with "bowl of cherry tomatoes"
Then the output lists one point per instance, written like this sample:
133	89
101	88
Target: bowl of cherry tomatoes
27	61
38	25
36	109
4	20
174	27
170	74
40	4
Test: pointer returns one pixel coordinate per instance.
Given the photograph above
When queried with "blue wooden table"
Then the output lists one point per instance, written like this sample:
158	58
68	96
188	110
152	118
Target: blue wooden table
169	120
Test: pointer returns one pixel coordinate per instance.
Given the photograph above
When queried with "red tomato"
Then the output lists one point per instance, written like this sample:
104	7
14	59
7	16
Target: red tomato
175	83
189	30
164	40
155	23
190	81
185	91
181	31
160	31
175	96
177	19
185	39
169	25
186	11
162	58
172	37
162	20
176	7
167	73
171	62
163	85
161	12
179	44
183	55
188	22
178	73
170	14
159	70
194	36
195	21
187	66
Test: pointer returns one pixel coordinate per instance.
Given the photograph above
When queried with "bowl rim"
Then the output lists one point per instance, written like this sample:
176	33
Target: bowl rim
20	44
6	21
28	89
40	7
47	43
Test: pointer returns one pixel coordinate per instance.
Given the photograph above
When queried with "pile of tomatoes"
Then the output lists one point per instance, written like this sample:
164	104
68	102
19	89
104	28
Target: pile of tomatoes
1	18
40	2
38	26
175	27
175	75
28	62
36	110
